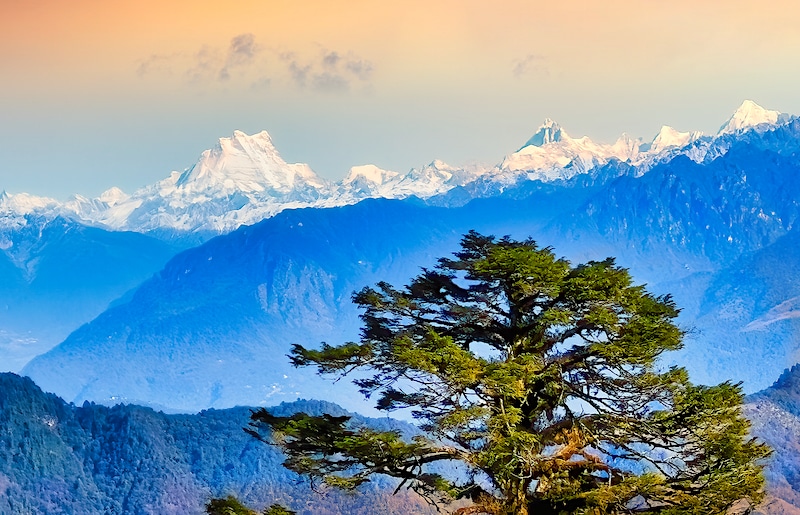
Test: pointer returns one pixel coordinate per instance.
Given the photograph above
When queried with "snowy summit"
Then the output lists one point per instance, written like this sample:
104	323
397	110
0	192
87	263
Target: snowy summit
750	115
246	164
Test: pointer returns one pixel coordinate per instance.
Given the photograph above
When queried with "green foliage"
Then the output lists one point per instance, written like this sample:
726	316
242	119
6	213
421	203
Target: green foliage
228	506
542	379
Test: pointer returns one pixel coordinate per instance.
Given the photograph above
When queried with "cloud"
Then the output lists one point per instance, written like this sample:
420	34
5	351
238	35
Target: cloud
247	63
204	65
261	83
360	68
211	64
331	59
330	82
241	53
330	71
243	48
156	64
298	73
531	64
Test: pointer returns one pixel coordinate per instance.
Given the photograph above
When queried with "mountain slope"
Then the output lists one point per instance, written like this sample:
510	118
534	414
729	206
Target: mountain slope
56	274
775	415
212	328
217	319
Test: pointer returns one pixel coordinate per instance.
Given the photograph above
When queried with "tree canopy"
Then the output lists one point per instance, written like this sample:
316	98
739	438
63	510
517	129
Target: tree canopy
541	379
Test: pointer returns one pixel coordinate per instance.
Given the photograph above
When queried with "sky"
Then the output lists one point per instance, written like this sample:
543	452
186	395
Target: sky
102	93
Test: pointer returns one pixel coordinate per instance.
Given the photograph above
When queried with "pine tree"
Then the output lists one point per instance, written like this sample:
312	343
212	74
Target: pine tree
542	379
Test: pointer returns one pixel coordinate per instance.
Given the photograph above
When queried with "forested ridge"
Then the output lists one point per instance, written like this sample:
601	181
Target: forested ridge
60	458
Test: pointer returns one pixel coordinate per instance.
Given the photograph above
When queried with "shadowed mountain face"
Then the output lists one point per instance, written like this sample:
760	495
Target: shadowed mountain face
56	274
58	458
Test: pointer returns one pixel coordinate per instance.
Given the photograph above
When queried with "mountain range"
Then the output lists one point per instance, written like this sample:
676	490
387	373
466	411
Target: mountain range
212	328
63	263
243	179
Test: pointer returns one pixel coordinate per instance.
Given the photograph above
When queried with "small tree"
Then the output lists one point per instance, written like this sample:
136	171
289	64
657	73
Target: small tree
228	506
542	379
232	506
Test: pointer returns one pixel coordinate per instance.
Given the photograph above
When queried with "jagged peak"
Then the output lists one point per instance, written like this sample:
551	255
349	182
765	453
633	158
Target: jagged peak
749	114
262	135
750	108
549	122
24	203
77	197
549	132
626	147
241	140
666	131
625	138
789	379
245	163
439	164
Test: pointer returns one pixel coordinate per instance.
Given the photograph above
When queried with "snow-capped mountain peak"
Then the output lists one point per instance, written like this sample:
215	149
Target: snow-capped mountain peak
552	154
549	132
748	115
113	196
368	181
626	147
432	179
668	137
245	164
24	203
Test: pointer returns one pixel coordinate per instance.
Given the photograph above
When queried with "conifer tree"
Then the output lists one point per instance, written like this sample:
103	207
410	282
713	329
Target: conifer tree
542	379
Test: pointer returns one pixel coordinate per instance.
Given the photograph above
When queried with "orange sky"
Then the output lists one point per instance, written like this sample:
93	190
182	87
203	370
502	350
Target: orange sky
128	91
